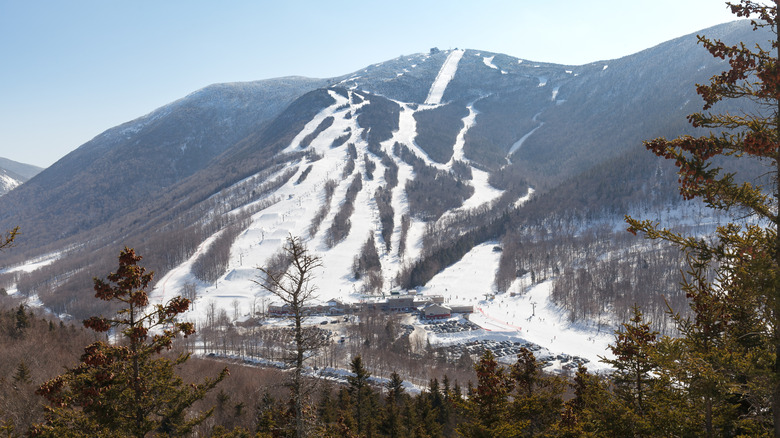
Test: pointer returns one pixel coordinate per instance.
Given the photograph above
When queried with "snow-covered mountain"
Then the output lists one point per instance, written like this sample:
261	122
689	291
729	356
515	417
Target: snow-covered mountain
13	173
419	172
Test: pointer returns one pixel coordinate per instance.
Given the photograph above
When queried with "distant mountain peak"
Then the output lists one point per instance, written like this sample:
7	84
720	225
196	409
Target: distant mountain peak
13	173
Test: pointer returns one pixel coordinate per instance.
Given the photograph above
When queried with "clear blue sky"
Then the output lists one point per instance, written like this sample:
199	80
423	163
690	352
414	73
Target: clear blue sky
71	69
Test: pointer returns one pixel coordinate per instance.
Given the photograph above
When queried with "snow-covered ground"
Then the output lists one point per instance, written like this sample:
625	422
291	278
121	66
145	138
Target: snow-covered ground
529	316
32	265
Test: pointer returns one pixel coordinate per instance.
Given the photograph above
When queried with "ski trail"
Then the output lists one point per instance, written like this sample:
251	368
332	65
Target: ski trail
460	140
520	142
443	78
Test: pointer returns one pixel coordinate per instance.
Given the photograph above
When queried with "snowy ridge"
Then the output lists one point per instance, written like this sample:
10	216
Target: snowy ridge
7	183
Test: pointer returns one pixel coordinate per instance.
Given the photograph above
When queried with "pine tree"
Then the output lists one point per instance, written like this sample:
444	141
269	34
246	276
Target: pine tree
127	389
393	426
22	320
537	402
633	363
358	386
735	331
22	376
487	406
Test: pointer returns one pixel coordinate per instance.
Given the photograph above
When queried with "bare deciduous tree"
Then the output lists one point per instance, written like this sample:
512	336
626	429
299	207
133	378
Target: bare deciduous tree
294	288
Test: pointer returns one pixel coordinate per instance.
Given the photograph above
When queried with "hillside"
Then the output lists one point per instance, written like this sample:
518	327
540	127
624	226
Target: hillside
427	161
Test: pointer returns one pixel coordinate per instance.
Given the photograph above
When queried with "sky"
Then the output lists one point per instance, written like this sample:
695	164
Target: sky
70	70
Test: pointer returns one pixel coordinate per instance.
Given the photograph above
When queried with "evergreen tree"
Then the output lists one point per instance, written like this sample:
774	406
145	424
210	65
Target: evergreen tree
487	406
538	399
633	361
358	386
393	426
266	416
126	389
733	341
22	375
22	319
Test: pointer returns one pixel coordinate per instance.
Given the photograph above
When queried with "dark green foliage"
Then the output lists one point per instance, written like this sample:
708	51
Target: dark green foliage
22	319
367	260
22	374
384	203
378	119
432	191
342	139
727	363
438	128
360	391
304	174
633	363
370	167
341	225
127	390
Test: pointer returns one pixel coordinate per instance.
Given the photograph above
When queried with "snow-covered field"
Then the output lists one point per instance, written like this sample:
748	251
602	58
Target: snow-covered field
528	316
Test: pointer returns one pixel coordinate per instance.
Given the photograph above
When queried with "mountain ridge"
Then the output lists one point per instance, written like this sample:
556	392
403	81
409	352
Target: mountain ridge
429	182
13	174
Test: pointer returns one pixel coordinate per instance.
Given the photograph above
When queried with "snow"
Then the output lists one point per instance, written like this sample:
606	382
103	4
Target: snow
7	183
33	264
312	125
525	198
443	78
529	316
522	140
483	192
460	140
488	61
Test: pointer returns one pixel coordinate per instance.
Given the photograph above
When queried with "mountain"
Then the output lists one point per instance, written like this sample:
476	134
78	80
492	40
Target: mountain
493	171
13	174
